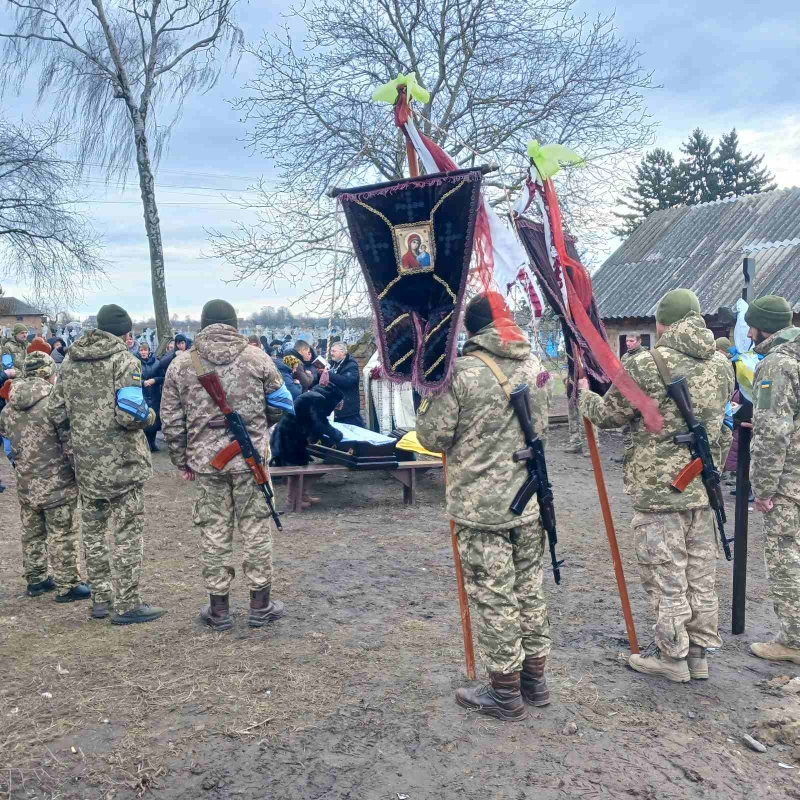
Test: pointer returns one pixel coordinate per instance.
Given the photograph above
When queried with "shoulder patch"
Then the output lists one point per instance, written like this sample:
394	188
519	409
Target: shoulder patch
136	376
424	405
765	399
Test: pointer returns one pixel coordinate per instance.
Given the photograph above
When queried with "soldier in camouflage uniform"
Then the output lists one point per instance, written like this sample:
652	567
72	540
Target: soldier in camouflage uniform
775	466
633	345
195	432
17	346
673	532
46	488
501	553
98	380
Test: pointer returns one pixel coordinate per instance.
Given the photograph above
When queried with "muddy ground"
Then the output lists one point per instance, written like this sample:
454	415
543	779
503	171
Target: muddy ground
351	695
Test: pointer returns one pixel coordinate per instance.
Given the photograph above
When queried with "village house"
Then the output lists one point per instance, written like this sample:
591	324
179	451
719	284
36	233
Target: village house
13	311
702	248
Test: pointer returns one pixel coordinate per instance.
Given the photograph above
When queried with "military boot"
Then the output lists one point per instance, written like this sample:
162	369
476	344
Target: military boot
78	592
100	610
500	699
217	614
144	612
775	651
262	609
653	662
532	681
36	589
697	662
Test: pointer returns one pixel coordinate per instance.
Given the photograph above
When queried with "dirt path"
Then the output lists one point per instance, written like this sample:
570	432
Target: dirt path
350	696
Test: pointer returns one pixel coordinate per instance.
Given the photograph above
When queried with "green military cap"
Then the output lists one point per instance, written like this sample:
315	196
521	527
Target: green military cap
723	344
675	305
19	328
770	314
218	312
114	319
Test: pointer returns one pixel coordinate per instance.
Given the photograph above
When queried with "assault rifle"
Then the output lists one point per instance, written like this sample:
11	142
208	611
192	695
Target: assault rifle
538	482
702	462
242	443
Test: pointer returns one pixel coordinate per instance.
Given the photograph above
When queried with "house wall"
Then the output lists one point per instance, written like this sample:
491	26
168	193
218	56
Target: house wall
33	321
616	328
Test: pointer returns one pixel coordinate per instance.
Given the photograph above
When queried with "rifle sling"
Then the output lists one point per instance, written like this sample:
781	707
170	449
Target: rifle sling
661	365
498	373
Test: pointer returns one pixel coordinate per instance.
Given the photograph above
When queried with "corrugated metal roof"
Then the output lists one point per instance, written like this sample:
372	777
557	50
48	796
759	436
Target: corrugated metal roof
701	248
11	307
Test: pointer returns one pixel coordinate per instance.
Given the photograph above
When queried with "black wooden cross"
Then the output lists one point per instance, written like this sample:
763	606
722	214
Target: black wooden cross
408	205
374	246
449	238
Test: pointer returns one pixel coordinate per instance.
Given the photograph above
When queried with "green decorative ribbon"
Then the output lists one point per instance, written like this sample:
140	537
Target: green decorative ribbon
387	92
548	158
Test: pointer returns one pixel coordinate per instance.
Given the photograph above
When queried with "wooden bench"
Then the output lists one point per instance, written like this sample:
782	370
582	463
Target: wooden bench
406	474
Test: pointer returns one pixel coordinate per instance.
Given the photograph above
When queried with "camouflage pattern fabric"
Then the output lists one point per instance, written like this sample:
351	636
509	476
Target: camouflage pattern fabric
225	501
631	353
473	423
782	555
110	449
577	433
52	531
775	452
503	574
44	470
677	555
17	351
654	460
246	373
123	518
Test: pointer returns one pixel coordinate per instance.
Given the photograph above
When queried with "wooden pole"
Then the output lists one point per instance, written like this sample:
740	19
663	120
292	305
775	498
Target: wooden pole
463	600
608	520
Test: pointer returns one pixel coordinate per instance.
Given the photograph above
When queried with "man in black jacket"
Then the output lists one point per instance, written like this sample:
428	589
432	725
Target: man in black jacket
345	375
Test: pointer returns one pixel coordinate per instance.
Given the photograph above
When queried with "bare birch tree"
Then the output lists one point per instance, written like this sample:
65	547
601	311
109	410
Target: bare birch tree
112	66
499	73
45	240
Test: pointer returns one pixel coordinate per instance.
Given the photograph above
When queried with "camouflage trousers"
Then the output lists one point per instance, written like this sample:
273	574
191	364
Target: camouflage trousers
225	501
677	555
52	532
577	430
122	518
503	573
782	554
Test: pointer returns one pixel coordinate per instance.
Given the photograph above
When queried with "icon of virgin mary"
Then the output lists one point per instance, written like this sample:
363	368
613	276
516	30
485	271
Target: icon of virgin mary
411	256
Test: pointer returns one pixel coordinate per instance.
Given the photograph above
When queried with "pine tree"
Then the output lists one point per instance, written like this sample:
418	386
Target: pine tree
739	174
656	186
699	178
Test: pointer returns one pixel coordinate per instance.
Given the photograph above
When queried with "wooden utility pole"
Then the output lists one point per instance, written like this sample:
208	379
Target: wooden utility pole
741	525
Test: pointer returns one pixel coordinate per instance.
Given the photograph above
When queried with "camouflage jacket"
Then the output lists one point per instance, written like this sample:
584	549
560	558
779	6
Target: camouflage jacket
193	424
473	423
776	415
17	351
653	460
111	451
43	470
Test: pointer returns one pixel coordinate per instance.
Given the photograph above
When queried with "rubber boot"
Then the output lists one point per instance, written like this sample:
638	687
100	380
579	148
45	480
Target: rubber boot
263	610
775	651
217	614
532	681
697	662
501	698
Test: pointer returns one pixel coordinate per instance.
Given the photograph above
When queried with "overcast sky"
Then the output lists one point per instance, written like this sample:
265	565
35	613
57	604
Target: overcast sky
720	63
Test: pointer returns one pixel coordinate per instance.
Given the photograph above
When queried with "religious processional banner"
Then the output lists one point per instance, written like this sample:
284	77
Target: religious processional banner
413	239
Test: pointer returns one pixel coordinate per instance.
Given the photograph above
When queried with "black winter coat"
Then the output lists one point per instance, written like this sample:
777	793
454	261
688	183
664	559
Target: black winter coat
151	370
345	377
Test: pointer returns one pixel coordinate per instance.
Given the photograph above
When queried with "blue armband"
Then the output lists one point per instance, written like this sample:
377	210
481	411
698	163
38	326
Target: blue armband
131	400
282	399
8	361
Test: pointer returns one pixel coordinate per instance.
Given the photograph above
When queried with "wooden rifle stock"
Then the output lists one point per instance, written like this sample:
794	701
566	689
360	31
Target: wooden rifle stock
225	455
687	475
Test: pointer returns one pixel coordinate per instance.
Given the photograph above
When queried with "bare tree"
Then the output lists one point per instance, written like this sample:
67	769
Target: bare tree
112	66
499	74
45	241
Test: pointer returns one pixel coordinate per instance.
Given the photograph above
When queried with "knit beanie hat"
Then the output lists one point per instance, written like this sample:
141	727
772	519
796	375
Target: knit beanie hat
675	305
38	365
723	344
114	319
769	314
479	311
218	311
40	345
19	328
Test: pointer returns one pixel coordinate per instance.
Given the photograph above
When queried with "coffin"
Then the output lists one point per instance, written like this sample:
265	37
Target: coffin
359	449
